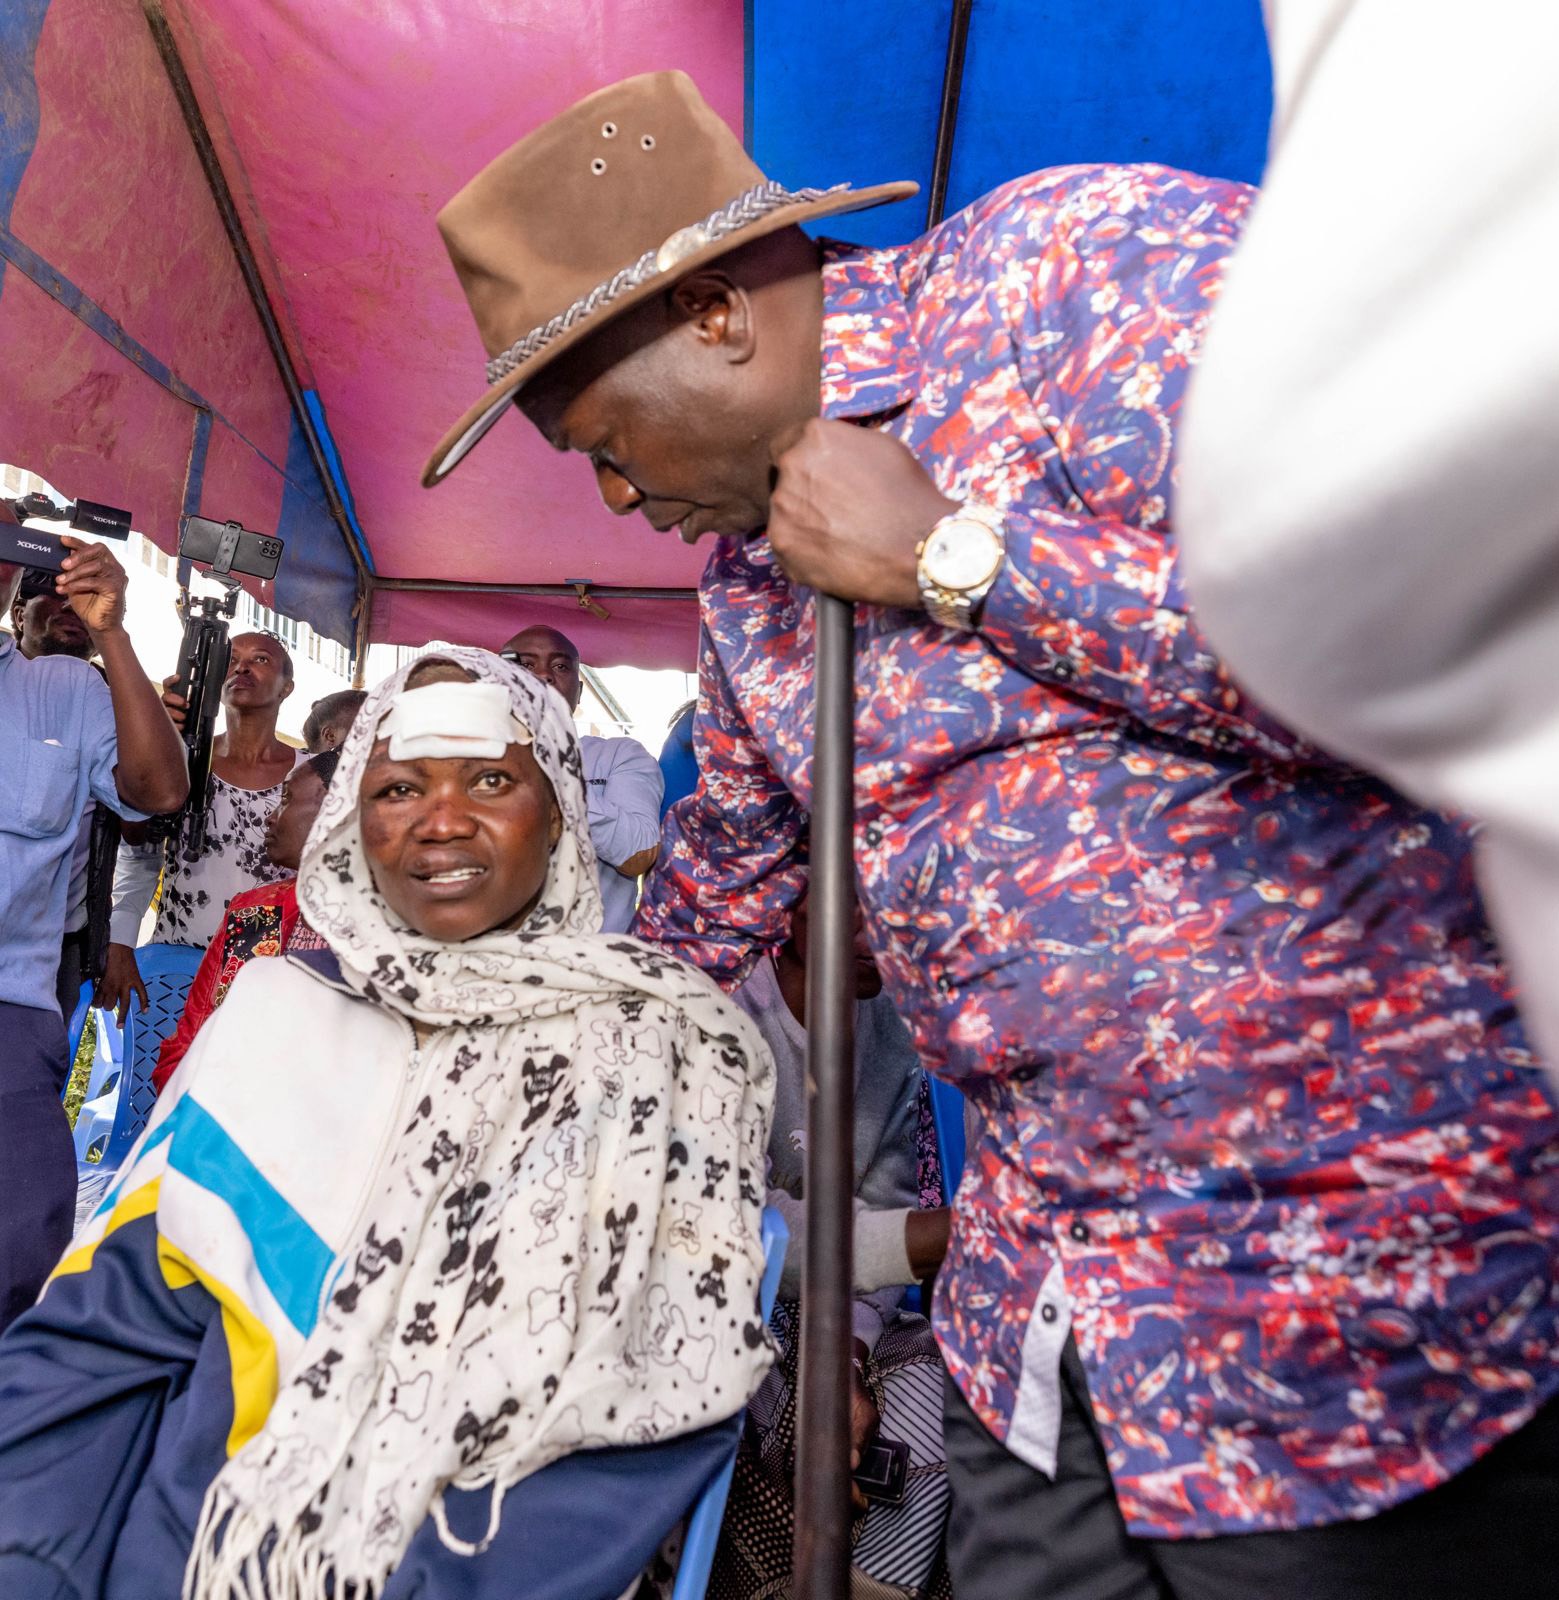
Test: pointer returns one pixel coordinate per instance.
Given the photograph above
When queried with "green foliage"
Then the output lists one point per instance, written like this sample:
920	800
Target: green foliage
81	1069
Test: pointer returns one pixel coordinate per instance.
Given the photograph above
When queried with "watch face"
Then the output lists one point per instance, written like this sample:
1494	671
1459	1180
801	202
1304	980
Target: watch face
961	554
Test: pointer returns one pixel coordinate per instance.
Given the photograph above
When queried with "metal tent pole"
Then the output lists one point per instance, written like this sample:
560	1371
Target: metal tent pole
947	121
249	270
821	1568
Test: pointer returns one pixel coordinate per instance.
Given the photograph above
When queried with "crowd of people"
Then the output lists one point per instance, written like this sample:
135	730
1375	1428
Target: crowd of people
446	1228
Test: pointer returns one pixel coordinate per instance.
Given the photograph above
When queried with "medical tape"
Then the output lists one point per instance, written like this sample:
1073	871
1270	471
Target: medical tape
444	720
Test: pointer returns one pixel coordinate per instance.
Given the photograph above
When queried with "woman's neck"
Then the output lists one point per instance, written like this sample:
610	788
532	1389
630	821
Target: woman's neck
248	753
791	972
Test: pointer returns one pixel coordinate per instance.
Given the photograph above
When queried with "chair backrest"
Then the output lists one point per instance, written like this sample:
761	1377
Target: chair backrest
76	1023
776	1241
947	1117
100	1097
167	971
703	1528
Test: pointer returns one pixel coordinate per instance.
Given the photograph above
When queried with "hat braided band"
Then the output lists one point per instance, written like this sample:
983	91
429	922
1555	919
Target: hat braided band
748	207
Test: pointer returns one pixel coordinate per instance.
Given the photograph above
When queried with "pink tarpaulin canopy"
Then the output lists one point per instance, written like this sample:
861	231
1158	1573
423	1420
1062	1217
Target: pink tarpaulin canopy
352	123
138	367
340	130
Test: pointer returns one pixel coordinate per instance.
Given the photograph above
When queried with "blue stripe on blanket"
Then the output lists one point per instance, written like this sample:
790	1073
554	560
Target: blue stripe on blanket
290	1257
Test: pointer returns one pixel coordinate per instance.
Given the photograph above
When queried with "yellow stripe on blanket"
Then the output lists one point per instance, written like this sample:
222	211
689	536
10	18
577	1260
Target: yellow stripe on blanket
250	1349
141	1202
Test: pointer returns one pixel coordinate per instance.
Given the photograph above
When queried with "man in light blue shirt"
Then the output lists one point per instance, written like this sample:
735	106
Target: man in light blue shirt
623	782
67	736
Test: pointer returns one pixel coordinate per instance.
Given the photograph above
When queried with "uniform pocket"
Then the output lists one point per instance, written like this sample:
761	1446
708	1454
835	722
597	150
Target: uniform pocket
38	790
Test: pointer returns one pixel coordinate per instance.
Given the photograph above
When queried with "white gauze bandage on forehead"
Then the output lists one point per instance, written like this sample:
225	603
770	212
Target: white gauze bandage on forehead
444	720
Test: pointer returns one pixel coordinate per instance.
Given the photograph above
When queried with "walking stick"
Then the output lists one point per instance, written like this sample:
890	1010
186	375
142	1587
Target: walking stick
821	1557
822	1545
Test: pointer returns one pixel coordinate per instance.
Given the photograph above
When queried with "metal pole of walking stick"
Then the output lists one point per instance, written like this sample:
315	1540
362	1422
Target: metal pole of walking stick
822	1544
821	1558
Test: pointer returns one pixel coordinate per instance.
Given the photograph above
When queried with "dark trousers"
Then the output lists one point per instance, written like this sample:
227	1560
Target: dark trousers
37	1157
1016	1535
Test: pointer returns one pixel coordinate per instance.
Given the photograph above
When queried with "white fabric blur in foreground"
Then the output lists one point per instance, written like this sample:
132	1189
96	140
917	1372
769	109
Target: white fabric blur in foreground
1369	500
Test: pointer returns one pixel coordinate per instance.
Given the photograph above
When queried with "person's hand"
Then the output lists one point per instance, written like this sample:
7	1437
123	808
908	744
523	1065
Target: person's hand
94	584
121	977
849	509
864	1422
639	863
173	702
925	1239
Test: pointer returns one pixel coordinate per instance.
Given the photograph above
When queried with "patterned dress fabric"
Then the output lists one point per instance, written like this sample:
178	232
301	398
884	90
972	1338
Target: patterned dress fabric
1251	1089
933	1185
258	923
558	1250
198	888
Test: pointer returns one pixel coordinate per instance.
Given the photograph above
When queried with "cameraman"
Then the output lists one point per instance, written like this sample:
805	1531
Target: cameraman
66	737
45	624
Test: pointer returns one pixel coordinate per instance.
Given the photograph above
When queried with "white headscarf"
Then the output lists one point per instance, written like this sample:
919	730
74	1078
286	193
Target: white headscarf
561	1246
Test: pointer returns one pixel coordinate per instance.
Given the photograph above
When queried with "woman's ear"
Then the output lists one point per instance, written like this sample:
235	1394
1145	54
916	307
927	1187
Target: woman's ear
554	827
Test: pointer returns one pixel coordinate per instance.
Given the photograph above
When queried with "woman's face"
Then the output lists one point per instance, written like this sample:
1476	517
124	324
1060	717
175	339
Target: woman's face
287	827
458	846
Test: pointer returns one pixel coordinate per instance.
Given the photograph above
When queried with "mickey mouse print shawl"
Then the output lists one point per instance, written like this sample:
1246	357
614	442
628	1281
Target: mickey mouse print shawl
561	1249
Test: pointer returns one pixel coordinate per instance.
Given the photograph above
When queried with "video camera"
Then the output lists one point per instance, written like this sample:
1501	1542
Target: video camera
30	547
224	548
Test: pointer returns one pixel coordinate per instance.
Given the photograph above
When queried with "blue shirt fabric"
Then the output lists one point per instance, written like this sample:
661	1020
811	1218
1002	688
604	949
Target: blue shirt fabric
58	749
678	763
622	790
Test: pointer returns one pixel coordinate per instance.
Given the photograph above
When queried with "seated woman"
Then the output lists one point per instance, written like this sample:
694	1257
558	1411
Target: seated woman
435	1273
259	921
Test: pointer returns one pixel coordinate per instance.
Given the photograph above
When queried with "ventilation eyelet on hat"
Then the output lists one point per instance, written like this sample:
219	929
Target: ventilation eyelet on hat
543	302
608	130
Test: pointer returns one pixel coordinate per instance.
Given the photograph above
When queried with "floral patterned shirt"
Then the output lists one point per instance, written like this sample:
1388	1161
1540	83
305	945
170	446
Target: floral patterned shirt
1257	1119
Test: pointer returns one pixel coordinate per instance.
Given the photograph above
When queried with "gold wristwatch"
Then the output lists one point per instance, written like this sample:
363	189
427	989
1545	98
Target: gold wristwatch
957	563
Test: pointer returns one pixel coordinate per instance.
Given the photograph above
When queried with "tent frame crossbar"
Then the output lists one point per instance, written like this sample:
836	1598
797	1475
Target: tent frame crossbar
249	269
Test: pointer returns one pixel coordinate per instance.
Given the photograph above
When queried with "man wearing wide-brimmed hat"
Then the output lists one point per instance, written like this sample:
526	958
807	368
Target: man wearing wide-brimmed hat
1256	1117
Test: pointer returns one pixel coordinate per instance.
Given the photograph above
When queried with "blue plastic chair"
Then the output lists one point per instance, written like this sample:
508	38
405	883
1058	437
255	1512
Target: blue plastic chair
947	1117
122	1090
703	1529
76	1022
95	1119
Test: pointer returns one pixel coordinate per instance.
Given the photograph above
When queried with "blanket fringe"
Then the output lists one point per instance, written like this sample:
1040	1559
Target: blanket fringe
238	1555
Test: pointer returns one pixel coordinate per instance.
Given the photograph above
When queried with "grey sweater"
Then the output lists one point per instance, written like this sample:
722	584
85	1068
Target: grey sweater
887	1082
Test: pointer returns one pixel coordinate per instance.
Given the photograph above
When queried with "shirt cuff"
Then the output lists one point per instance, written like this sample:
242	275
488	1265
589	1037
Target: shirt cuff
881	1250
135	887
866	1322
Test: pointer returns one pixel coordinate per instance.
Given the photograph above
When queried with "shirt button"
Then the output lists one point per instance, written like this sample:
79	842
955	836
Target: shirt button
1048	1313
1079	1231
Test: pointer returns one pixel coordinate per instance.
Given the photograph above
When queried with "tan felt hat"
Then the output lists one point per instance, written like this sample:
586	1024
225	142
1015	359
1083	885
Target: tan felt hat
618	197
